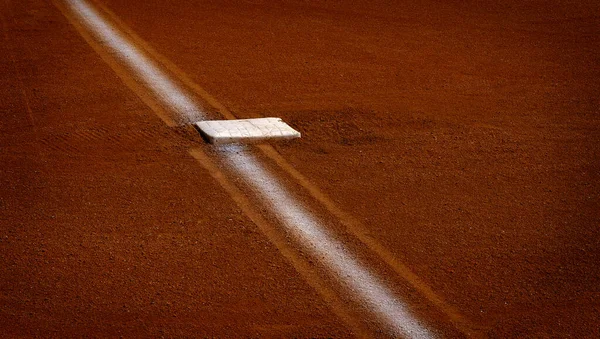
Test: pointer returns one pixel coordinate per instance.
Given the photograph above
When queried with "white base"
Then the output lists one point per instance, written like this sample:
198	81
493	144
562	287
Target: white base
245	130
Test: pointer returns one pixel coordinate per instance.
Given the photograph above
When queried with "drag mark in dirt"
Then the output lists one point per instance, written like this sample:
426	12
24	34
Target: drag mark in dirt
77	141
12	55
304	227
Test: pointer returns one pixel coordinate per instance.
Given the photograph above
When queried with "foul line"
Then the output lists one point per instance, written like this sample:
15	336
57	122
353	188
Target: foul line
357	229
132	65
300	264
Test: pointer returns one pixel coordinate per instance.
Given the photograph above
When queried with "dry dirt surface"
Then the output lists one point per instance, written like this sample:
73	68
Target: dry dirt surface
464	135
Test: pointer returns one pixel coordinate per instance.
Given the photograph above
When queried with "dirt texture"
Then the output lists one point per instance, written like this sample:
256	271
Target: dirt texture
465	135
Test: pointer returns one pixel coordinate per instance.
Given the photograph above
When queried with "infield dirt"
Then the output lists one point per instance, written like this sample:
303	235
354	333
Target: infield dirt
464	135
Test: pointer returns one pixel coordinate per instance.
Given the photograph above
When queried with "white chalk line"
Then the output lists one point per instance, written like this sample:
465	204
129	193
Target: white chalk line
146	70
305	227
312	235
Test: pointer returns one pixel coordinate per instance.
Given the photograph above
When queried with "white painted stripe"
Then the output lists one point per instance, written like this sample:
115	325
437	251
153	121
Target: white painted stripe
146	70
305	227
313	236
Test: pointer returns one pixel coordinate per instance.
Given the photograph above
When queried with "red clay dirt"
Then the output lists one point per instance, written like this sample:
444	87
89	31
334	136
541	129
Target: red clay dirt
464	135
